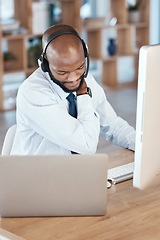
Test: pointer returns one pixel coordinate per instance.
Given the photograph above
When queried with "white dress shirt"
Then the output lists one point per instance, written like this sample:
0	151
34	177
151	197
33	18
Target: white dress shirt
44	125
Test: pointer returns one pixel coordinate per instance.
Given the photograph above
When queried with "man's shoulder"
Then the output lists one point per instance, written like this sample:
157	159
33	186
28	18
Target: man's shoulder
36	78
36	82
93	82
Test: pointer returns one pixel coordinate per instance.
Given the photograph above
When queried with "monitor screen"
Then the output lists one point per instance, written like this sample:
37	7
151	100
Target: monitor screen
147	147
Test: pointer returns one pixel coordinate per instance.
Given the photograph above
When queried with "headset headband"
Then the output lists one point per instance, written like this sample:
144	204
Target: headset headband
59	33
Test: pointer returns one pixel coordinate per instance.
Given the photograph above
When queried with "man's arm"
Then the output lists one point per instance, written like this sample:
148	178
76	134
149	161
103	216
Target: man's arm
48	116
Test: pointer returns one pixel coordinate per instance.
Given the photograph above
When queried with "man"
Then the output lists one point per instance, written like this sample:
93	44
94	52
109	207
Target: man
45	122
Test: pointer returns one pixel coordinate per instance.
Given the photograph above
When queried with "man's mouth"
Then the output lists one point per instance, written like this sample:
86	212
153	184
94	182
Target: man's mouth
74	84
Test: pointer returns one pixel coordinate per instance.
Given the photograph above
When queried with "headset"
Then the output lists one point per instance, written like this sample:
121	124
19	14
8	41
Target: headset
69	30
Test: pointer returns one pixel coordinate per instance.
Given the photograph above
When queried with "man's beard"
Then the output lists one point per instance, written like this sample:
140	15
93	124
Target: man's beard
59	83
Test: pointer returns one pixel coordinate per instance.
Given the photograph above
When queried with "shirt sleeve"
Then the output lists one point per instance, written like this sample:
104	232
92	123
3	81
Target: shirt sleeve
113	127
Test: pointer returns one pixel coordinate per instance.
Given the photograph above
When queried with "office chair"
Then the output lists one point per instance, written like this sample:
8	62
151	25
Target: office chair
8	140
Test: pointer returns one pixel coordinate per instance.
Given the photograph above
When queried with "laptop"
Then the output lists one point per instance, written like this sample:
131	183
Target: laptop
55	185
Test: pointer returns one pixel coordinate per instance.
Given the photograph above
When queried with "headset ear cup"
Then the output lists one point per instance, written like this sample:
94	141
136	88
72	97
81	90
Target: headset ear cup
87	67
44	64
86	55
85	48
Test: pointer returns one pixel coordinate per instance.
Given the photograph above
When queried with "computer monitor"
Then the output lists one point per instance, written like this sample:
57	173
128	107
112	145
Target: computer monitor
147	148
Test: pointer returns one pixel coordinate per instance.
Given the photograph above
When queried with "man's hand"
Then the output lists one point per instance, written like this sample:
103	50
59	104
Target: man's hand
83	89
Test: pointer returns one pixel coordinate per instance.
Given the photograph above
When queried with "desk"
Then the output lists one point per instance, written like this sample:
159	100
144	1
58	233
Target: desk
132	215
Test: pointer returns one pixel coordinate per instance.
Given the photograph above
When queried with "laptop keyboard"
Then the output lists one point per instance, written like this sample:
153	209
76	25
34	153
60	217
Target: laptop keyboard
121	173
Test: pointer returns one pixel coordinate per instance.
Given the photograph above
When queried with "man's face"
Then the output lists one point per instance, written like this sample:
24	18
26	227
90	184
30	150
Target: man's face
67	70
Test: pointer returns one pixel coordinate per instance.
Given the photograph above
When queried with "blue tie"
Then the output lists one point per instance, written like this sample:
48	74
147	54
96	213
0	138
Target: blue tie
72	105
72	108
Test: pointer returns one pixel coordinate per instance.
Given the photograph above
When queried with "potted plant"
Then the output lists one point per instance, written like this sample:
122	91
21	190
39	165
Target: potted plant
8	58
134	11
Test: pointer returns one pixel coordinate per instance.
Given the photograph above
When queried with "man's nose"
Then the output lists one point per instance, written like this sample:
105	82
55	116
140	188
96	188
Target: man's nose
73	76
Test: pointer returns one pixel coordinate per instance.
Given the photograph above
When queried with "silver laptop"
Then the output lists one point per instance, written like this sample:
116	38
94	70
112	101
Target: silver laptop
58	185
